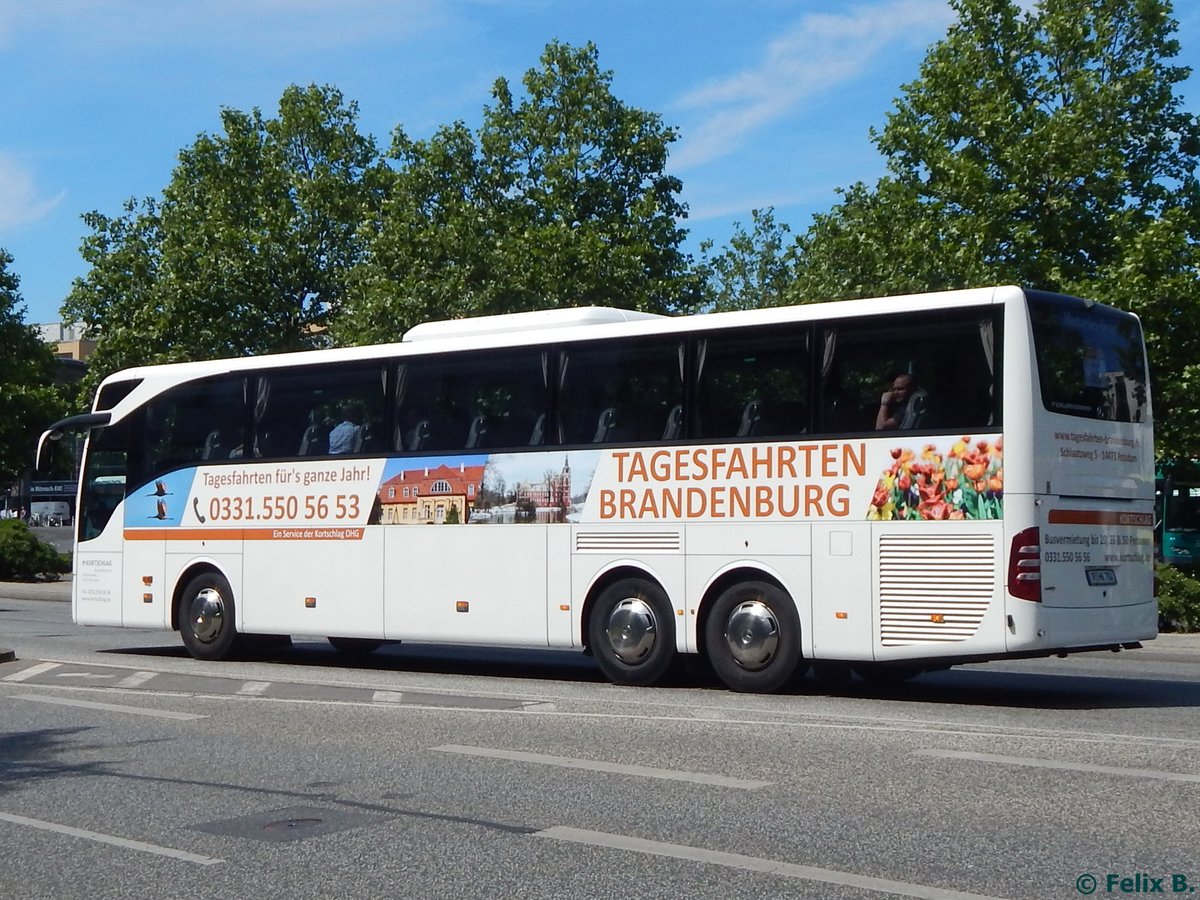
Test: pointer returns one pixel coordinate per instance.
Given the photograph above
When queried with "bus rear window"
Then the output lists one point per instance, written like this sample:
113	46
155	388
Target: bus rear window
1090	359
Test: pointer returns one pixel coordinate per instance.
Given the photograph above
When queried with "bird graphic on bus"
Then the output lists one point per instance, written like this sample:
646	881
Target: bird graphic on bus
160	490
160	511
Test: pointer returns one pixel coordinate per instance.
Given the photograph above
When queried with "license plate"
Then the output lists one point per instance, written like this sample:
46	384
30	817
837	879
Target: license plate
1101	577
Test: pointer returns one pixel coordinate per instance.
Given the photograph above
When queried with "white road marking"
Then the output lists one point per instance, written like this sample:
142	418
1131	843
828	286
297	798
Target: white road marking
126	843
388	697
135	680
754	864
1036	763
26	674
254	688
597	766
84	675
111	707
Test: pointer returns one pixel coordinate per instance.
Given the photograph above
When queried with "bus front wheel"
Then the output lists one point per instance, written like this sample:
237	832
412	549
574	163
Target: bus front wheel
206	617
752	637
631	632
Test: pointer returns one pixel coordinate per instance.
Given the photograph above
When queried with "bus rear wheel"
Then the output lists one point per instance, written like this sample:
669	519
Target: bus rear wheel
206	617
752	637
631	632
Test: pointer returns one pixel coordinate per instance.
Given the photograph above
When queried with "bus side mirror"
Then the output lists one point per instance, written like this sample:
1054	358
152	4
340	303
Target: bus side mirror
53	434
47	450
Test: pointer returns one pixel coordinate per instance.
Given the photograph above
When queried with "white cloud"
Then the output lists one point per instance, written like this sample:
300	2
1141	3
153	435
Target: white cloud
822	52
19	200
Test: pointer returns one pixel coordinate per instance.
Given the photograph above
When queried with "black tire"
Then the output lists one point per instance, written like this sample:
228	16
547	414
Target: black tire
207	617
764	653
631	632
355	646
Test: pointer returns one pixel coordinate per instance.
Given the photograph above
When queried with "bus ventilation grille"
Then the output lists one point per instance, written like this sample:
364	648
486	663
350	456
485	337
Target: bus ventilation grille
627	542
934	589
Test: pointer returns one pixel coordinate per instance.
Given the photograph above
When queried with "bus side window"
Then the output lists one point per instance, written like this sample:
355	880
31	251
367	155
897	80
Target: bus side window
944	362
753	385
194	422
620	391
471	401
318	410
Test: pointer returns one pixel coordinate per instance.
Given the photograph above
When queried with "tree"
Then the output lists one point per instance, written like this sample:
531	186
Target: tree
28	399
1049	148
559	199
753	269
250	247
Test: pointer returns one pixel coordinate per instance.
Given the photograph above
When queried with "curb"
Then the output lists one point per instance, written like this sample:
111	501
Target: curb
6	655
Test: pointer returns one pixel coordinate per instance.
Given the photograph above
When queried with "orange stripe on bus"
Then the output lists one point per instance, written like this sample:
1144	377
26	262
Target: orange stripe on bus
305	533
1100	517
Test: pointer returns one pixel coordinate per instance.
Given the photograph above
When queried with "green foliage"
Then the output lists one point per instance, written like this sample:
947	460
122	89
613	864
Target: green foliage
29	400
23	557
1045	147
1178	598
752	271
250	248
291	232
560	199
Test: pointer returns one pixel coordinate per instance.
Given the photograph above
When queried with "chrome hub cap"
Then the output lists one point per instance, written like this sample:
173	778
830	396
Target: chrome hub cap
207	614
752	632
632	630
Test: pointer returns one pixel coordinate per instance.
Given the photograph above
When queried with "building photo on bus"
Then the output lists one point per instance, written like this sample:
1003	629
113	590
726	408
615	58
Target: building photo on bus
892	485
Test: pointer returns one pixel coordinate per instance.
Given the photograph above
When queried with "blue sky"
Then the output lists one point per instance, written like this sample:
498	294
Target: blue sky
773	99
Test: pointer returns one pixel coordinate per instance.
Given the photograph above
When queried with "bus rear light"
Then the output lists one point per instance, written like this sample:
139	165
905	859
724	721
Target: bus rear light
310	602
1025	565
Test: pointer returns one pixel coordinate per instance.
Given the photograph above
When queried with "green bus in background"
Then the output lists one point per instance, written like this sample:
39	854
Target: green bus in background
1177	513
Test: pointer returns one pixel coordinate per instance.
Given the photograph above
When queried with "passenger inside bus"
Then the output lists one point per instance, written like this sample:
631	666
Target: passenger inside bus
347	435
903	406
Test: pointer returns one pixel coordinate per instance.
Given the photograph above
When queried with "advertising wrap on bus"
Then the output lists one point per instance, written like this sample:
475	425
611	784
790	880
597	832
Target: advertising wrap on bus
899	483
879	480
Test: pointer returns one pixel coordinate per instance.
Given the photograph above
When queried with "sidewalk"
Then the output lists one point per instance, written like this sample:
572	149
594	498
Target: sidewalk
37	590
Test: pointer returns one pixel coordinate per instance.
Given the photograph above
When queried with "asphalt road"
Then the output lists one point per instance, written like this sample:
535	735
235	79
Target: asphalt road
129	770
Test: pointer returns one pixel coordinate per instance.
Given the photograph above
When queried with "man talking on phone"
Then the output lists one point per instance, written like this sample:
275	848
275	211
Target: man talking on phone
904	406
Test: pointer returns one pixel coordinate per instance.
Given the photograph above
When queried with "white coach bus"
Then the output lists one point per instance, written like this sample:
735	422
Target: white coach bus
893	485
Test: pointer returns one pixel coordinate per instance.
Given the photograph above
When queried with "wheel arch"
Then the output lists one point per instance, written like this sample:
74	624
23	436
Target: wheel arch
601	582
190	571
728	578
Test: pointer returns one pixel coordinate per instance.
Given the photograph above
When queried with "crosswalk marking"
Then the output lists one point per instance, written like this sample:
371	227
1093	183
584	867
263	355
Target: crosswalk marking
26	674
136	679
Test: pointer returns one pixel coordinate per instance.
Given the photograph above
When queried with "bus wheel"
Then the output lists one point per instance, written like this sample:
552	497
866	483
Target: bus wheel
355	646
206	617
752	637
631	632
